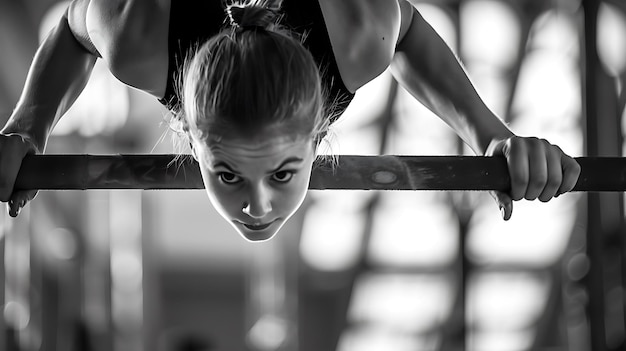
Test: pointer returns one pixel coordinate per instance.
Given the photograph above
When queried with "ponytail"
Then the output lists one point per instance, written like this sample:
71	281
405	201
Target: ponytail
246	14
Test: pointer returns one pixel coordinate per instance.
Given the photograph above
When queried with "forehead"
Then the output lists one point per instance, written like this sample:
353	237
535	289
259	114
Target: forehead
263	150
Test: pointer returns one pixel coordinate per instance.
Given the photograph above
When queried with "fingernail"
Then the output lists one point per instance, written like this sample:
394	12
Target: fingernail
502	212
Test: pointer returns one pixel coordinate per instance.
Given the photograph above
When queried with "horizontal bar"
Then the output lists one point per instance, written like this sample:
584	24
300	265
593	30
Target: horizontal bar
151	172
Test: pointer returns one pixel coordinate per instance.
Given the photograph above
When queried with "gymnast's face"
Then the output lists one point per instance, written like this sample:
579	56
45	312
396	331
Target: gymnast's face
256	185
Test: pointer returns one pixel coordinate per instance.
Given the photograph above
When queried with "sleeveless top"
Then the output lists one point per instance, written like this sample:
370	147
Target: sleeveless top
194	21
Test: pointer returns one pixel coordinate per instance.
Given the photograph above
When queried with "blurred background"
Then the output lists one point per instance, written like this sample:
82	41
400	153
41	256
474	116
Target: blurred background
353	270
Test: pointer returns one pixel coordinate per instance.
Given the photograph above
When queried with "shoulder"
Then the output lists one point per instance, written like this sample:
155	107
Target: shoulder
364	35
407	12
120	27
76	18
131	37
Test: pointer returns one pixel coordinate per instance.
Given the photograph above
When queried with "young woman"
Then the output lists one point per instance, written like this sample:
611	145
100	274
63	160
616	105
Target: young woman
252	99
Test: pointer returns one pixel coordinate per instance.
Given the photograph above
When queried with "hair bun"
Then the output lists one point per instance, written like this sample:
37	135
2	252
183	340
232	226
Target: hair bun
253	13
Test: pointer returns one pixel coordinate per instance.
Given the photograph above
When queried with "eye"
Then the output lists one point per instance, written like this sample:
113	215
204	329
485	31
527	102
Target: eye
229	178
283	176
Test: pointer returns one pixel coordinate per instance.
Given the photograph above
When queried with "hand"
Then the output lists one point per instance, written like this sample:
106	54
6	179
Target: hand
13	149
538	170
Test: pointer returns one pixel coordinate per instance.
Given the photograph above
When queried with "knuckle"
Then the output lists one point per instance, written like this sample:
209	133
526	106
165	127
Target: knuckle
515	142
537	183
536	145
518	191
519	180
575	167
554	182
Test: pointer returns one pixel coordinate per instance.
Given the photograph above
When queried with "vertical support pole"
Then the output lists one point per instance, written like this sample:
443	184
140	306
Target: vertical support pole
3	326
594	279
96	274
151	278
605	222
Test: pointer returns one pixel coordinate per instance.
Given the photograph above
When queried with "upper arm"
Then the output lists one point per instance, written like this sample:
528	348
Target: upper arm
406	17
421	47
77	20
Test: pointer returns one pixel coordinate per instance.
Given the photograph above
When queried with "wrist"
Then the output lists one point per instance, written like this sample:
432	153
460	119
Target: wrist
493	138
490	131
28	127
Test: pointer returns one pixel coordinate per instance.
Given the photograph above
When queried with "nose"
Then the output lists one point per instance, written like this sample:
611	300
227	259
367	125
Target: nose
259	203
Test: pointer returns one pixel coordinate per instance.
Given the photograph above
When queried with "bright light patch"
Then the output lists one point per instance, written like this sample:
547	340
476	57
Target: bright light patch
612	38
554	30
61	243
268	333
375	338
536	235
501	341
422	235
331	240
548	88
506	301
491	32
405	303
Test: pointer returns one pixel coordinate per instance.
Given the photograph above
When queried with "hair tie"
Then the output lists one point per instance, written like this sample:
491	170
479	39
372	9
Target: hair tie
248	17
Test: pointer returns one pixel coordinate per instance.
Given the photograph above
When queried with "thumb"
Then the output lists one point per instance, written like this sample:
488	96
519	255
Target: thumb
18	200
505	203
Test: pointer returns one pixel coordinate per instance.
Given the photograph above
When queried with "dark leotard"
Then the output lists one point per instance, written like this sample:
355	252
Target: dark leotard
194	21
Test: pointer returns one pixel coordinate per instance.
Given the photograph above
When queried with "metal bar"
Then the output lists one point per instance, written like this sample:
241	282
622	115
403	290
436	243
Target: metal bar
151	172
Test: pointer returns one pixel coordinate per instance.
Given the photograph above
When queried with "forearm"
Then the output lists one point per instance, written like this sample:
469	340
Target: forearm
58	74
427	68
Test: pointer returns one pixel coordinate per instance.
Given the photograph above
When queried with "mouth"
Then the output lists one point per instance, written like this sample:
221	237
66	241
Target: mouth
257	227
256	232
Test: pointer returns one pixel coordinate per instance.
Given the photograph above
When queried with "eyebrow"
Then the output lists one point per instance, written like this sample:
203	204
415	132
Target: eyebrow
225	165
283	164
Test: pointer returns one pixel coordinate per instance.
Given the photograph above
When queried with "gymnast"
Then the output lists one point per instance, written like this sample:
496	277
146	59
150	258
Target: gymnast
255	85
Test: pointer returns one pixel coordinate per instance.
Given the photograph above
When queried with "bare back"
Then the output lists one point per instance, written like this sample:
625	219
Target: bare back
131	36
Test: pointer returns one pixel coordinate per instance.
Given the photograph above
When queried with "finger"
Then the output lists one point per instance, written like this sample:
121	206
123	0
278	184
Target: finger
505	203
571	172
517	162
555	175
537	168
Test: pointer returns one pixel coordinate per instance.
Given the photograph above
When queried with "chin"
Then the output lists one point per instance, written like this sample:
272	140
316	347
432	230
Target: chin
254	238
259	236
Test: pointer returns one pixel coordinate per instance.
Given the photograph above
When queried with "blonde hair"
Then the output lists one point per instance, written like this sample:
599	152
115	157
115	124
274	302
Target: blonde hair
254	74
